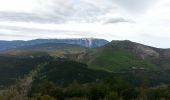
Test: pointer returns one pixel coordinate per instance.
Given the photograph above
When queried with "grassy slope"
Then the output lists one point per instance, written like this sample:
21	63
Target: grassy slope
117	59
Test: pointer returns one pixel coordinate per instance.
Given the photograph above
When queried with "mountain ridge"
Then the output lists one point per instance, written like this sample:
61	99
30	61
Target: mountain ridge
85	42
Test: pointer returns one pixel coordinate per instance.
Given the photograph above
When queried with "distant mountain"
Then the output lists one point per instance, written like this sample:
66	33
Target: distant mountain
125	55
85	42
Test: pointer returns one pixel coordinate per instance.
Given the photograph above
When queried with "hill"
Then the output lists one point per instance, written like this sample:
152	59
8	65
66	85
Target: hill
63	71
124	55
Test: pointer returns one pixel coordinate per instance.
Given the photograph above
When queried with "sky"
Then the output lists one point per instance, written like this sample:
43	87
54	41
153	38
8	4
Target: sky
143	21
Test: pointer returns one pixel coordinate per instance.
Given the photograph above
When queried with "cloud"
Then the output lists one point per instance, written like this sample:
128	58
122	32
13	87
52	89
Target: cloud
63	11
117	20
60	11
28	17
37	30
135	6
69	31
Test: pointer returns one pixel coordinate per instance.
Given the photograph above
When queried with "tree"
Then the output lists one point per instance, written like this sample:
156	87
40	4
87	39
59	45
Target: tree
112	96
45	97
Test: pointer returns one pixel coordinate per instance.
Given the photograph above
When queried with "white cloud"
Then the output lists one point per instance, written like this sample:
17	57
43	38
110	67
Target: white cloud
17	5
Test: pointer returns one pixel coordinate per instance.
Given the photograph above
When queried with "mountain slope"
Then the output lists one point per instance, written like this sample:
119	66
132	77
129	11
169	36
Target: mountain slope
125	55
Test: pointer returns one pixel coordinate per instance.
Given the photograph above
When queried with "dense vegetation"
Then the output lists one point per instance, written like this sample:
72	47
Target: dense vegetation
64	71
110	89
62	79
13	68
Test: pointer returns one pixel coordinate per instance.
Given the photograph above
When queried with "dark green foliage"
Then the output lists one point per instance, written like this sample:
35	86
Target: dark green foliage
93	91
47	88
97	90
45	97
112	95
63	71
14	67
136	77
65	79
104	90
